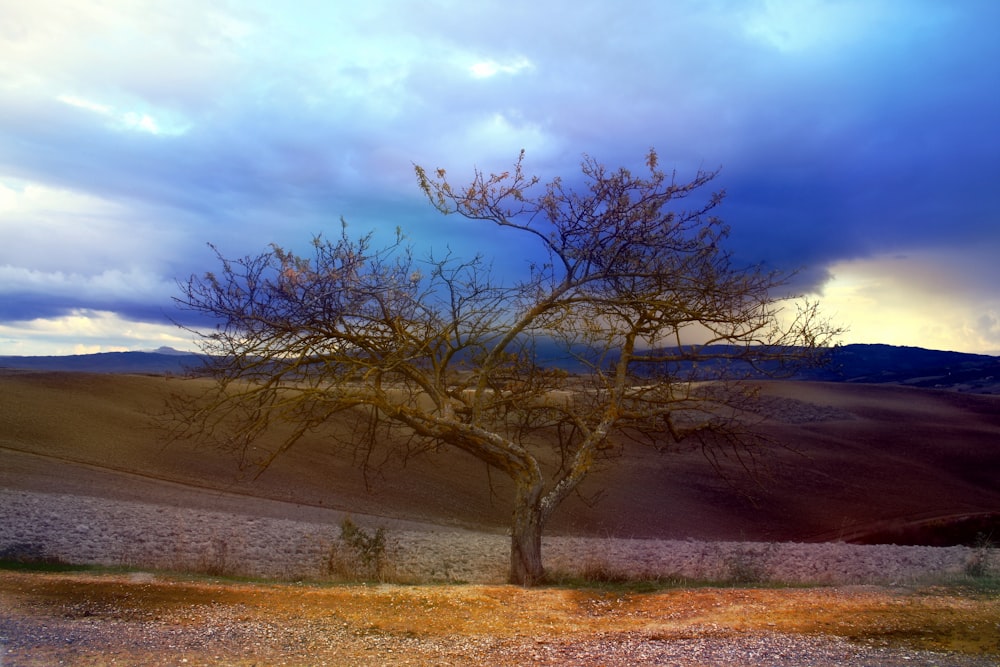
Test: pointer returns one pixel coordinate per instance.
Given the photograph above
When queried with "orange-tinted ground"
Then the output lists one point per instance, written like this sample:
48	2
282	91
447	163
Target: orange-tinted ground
116	619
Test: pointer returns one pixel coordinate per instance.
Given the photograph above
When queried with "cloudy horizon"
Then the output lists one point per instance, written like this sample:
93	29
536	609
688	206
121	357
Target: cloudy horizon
856	142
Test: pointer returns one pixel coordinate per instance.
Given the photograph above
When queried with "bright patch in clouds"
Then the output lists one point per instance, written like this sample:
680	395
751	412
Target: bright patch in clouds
129	120
489	68
86	331
23	198
496	132
798	25
913	300
81	103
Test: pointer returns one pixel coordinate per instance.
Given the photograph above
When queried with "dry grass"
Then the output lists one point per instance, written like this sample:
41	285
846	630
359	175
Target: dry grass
434	618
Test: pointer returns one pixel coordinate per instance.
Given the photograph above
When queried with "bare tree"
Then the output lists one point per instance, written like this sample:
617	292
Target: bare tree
438	353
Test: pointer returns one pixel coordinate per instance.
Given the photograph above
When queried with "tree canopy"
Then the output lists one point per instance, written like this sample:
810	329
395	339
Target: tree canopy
435	351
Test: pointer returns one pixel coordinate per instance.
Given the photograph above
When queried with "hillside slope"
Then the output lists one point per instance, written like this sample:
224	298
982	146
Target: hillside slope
846	459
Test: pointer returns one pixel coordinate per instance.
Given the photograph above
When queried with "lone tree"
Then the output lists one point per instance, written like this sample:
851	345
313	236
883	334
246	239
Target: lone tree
437	353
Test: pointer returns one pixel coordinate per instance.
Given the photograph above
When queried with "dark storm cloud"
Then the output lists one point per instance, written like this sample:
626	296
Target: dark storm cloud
133	133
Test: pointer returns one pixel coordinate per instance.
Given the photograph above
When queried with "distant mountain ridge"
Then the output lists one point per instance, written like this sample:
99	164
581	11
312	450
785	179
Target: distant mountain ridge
913	366
161	361
861	363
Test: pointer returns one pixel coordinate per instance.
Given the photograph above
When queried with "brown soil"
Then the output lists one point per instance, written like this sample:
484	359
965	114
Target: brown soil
844	460
847	460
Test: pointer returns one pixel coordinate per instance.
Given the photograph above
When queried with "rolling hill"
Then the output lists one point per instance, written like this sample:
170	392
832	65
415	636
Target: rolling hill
847	461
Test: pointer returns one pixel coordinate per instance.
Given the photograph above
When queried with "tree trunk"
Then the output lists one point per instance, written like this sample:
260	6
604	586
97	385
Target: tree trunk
526	535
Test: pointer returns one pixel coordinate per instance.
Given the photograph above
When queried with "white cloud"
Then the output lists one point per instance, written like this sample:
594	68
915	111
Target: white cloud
86	331
53	229
130	120
502	134
488	68
81	103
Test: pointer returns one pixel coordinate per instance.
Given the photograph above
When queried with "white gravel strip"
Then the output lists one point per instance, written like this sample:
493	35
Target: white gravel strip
89	530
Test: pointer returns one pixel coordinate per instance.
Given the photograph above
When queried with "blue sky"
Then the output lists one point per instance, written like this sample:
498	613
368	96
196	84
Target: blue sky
858	142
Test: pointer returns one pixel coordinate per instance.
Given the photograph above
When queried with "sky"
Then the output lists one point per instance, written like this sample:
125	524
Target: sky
858	142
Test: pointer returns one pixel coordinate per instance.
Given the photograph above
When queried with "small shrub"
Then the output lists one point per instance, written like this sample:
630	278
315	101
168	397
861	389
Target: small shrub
359	555
28	555
979	563
216	562
24	552
746	565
